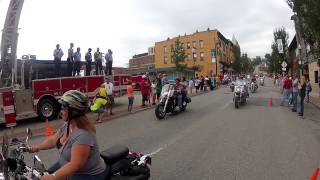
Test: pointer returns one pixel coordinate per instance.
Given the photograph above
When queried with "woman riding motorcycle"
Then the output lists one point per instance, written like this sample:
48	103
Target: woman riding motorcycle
76	141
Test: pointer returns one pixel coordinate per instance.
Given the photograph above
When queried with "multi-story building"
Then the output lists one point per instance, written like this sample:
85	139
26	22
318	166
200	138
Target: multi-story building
142	63
208	52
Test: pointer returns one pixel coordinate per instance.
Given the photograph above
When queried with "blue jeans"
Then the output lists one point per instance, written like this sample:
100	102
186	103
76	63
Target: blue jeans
301	105
286	94
295	100
179	100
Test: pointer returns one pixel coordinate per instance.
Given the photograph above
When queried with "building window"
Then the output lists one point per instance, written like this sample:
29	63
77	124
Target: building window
201	56
165	60
188	45
194	44
194	56
201	44
189	57
171	47
165	49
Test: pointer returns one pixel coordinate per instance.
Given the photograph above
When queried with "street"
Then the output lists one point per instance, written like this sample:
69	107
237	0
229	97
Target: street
213	140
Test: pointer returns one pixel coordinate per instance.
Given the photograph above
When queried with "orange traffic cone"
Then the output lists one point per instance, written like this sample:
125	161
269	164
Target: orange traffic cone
315	174
270	102
48	129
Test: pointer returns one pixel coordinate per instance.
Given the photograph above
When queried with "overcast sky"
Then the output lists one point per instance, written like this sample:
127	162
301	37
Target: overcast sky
129	27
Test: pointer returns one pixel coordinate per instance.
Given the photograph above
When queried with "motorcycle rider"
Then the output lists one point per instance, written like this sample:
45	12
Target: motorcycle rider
76	141
180	92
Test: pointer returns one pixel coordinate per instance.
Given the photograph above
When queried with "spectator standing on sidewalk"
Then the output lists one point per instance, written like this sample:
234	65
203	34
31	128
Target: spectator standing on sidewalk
109	61
191	85
287	86
197	83
308	90
144	87
77	61
88	59
302	94
98	61
57	55
153	92
130	95
70	60
158	88
295	89
109	89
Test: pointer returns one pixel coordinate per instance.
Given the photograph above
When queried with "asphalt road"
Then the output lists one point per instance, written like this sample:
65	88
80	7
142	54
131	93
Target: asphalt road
213	140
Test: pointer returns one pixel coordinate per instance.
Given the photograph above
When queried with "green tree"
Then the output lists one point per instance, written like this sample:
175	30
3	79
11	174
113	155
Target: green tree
179	56
308	12
236	65
276	58
246	64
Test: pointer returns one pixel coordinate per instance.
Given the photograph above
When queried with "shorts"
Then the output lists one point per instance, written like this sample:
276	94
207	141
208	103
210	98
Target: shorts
130	100
110	100
100	110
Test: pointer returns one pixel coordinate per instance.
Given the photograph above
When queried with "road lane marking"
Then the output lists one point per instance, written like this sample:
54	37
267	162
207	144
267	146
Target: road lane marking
158	150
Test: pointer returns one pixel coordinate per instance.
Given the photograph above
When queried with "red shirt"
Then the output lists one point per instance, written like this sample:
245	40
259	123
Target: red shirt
144	87
287	84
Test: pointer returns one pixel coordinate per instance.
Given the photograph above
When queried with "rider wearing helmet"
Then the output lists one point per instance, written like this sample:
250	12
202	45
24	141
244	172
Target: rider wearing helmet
76	141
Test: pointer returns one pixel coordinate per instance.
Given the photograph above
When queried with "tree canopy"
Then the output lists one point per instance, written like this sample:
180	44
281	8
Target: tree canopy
179	56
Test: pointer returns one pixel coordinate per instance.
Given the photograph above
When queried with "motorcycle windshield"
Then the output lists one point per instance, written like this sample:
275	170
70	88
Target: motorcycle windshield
165	89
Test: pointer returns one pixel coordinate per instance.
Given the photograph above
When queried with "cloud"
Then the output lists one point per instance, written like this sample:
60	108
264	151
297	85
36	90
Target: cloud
129	27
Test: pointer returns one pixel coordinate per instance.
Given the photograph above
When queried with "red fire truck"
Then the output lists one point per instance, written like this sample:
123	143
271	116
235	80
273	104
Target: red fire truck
42	99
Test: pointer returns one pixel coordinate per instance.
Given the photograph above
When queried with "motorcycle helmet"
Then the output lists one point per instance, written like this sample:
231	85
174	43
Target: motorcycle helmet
76	100
76	104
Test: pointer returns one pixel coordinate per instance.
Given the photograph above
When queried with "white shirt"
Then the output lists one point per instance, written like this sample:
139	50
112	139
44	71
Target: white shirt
109	88
191	83
58	53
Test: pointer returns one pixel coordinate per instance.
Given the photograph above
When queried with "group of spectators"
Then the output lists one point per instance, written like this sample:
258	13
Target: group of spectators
74	61
294	91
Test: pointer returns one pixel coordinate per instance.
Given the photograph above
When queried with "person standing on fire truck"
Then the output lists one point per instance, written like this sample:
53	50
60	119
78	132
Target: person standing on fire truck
98	61
70	60
57	54
77	60
88	58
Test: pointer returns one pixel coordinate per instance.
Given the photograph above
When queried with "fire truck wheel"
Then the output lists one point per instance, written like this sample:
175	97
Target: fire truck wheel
48	109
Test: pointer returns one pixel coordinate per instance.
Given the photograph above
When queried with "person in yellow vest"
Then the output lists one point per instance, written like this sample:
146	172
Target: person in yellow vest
99	104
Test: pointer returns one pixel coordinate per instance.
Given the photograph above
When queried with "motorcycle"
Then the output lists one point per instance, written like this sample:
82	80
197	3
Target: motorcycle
120	162
240	94
261	81
253	86
232	86
168	103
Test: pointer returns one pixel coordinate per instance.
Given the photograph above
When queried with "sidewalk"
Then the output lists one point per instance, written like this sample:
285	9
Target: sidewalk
119	110
315	101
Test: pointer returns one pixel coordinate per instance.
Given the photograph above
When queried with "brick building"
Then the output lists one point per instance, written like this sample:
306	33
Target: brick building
142	63
209	50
